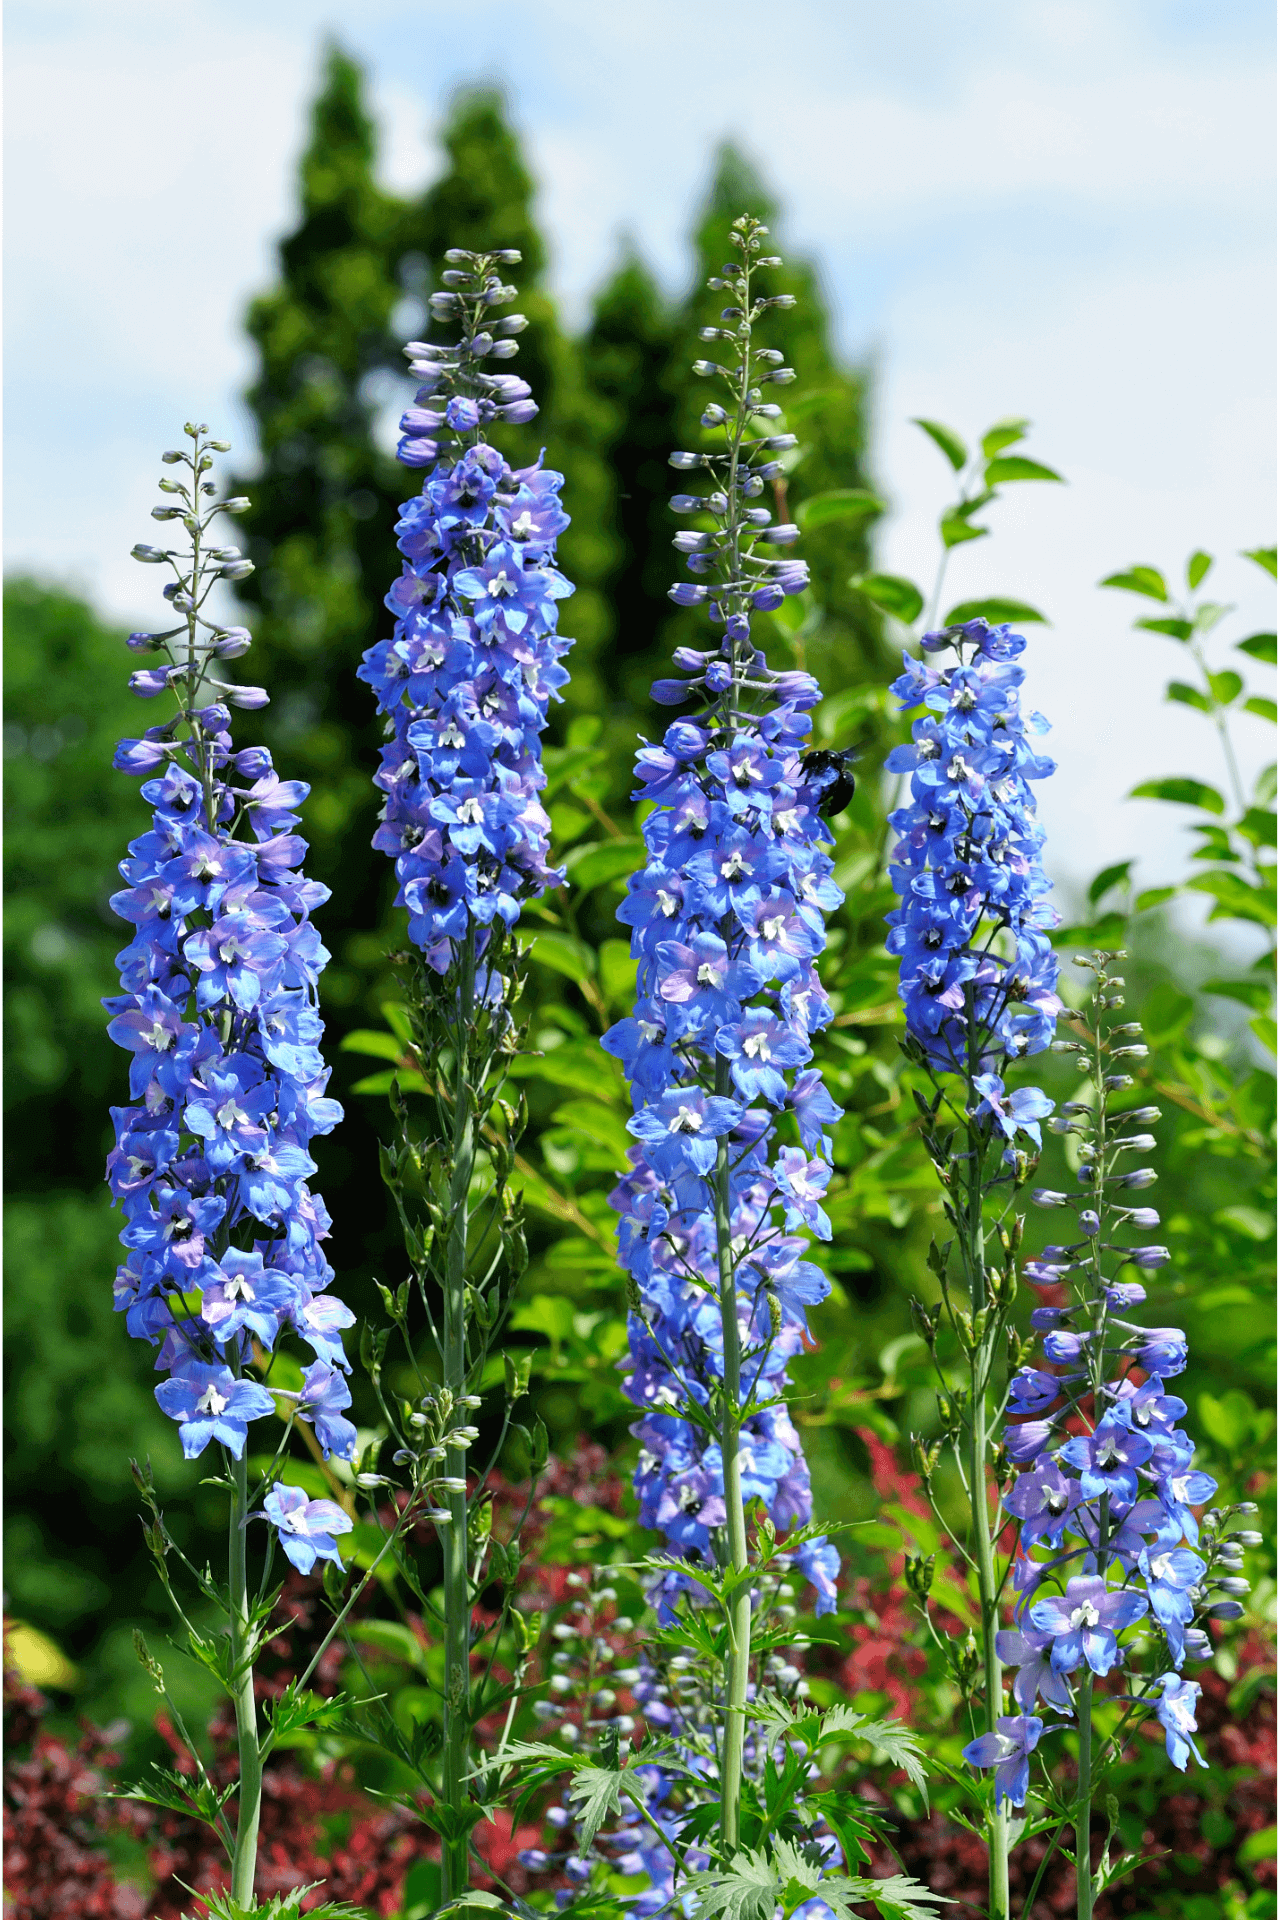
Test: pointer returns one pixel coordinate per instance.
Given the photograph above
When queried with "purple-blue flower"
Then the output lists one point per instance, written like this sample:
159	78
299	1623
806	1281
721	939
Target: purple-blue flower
305	1528
1008	1750
1084	1622
210	1403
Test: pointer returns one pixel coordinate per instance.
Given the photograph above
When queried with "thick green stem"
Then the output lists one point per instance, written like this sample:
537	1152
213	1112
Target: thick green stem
738	1657
457	1584
249	1802
1084	1797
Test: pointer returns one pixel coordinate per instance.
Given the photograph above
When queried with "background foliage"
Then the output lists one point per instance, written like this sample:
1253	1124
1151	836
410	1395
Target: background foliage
352	281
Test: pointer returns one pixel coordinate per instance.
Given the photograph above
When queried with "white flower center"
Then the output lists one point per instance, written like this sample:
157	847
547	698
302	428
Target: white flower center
1086	1615
1160	1566
470	814
756	1046
453	736
667	903
650	1031
238	1288
707	976
212	1402
733	867
501	587
159	1038
522	528
230	1115
685	1120
771	929
230	949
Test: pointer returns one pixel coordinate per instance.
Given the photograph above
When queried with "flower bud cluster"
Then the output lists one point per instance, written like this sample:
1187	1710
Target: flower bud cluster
211	1163
467	676
727	923
1113	1550
978	976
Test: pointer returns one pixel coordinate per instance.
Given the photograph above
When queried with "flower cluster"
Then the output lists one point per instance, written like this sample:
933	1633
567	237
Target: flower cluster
466	679
1113	1550
218	1009
727	923
978	975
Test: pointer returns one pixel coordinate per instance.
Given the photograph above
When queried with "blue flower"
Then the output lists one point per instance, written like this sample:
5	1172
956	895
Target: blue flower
210	1403
324	1394
305	1528
1008	1750
1176	1712
1084	1622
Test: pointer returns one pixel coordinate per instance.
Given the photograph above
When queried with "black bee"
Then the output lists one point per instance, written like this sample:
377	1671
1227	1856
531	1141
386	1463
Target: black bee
837	793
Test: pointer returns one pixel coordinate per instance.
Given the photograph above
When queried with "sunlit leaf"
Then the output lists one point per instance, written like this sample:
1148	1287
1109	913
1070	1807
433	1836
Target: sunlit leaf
947	439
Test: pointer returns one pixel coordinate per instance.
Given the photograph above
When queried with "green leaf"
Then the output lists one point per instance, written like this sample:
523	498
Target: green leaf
392	1637
1186	696
1227	1421
1264	708
955	525
1153	897
1260	1845
1197	567
1014	466
1256	994
841	503
382	1046
1005	433
578	1064
1264	1030
898	596
1259	646
599	1123
1183	792
1108	878
1236	898
1226	686
296	1708
997	609
596	1792
1175	629
950	442
563	954
178	1793
220	1905
1145	580
410	1081
1264	557
597	861
1258	825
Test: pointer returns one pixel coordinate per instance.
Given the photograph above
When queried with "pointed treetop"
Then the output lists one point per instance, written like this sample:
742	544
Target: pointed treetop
485	200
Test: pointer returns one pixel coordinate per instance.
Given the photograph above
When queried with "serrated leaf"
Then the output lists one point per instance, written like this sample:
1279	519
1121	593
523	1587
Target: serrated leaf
997	608
1182	791
1259	646
1147	581
596	1792
1264	557
947	440
840	503
178	1793
898	596
1015	466
1197	567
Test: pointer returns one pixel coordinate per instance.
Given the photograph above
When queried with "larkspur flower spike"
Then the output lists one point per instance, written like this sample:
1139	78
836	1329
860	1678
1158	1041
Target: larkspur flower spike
474	660
211	1164
727	922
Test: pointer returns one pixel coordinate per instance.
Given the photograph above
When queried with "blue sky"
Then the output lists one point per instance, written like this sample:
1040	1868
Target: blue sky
1060	208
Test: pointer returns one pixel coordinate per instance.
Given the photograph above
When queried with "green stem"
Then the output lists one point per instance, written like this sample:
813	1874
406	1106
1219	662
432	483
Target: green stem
973	1251
249	1803
457	1584
1084	1797
738	1655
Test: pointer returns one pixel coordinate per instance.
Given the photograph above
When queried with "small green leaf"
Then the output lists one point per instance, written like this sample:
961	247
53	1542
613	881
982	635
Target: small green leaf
841	503
1197	567
1264	708
1260	1845
956	527
1153	897
1263	1030
382	1046
997	609
1226	686
1264	557
1015	466
1108	878
598	861
1255	994
1227	1421
950	442
1259	646
410	1082
1005	433
1187	696
1144	580
1176	629
1183	791
898	596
